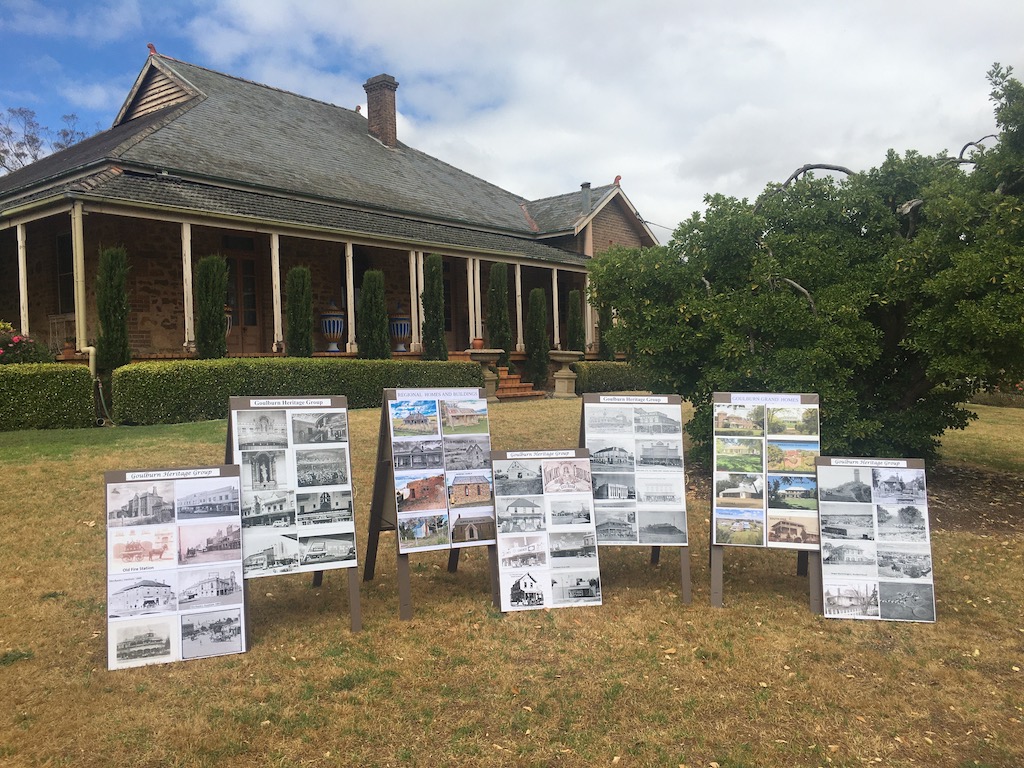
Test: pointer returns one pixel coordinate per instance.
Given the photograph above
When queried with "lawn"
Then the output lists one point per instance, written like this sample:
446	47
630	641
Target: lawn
643	680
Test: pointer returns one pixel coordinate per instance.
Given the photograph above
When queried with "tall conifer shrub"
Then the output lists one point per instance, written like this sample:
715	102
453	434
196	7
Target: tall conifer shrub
372	324
299	312
577	339
499	329
112	347
536	338
435	347
211	293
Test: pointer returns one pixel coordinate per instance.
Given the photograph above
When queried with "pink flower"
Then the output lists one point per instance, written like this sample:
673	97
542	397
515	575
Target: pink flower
15	339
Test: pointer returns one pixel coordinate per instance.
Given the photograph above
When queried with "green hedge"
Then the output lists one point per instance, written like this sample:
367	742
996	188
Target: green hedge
194	390
603	376
45	396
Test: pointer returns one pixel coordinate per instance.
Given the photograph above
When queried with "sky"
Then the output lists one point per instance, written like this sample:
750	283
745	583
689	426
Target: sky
680	98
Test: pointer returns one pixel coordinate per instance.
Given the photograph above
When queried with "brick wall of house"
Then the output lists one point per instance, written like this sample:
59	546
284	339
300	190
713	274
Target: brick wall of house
615	225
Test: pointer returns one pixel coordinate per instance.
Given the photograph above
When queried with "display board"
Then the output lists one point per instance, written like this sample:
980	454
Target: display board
440	454
876	557
636	453
764	492
547	541
174	565
297	504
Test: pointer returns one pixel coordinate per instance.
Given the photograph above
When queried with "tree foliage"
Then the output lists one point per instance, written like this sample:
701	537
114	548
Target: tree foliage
23	140
536	339
499	326
299	312
605	321
112	347
576	336
435	347
211	299
372	333
894	293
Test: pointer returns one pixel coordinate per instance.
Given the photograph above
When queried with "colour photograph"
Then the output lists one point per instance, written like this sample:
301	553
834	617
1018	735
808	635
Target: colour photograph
797	492
791	456
739	527
793	529
739	454
789	421
413	418
739	420
739	490
463	417
423	531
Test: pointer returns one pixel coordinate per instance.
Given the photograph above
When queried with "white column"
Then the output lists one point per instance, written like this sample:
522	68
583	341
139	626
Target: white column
469	297
588	314
555	343
414	306
420	257
520	344
350	300
23	279
78	267
275	280
188	305
479	332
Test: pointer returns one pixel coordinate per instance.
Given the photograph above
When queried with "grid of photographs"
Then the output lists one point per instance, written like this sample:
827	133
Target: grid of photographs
547	541
636	452
174	565
764	491
441	455
297	505
876	557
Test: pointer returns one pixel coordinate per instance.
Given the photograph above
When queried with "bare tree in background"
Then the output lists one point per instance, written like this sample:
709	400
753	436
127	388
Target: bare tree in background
23	140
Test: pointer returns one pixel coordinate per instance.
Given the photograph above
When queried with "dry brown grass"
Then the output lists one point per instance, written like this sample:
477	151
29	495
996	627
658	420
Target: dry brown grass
642	680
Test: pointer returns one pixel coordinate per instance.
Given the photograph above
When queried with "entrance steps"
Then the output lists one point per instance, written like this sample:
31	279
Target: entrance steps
511	387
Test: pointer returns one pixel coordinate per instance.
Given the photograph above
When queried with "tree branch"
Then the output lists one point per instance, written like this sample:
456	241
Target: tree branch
810	300
800	172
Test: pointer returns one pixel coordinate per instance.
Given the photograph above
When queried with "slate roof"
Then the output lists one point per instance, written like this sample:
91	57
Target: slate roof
234	147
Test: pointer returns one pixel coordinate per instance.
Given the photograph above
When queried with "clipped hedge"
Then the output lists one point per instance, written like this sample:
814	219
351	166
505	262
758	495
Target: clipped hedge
45	396
604	376
195	390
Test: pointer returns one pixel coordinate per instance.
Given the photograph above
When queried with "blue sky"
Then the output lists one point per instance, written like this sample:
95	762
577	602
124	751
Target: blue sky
680	98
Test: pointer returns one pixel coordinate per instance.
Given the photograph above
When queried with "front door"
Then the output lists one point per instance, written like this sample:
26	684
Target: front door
243	303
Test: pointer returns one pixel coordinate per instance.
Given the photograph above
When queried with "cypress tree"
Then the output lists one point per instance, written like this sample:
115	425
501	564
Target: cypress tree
434	345
112	347
372	327
536	338
577	338
211	297
299	312
499	329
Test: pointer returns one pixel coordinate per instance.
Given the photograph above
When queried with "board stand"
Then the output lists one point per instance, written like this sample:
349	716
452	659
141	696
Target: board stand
354	607
812	569
685	581
384	518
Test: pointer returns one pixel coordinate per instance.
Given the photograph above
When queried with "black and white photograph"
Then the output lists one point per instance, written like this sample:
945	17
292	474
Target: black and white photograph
212	633
146	641
572	549
269	554
566	476
467	452
522	551
323	508
140	595
739	419
140	503
209	543
268	509
660	490
659	454
847	521
615	525
261	430
319	427
904	562
209	587
902	522
424	531
609	420
570	510
206	497
518	477
793	529
576	587
660	527
614	486
524	591
612	453
898	486
265	470
327	548
848	599
848	559
322	466
657	420
900	601
520	514
849	484
417	454
147	548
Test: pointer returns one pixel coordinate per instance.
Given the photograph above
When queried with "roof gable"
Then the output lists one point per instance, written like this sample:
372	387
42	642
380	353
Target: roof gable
156	87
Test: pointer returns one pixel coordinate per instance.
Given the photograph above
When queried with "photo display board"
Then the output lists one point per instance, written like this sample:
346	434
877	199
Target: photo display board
636	454
876	555
764	488
547	542
441	458
297	505
174	565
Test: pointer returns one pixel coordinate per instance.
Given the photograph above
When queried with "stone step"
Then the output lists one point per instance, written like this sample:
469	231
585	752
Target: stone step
510	395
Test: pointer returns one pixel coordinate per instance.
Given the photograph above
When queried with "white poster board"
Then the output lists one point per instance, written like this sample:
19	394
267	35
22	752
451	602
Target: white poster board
636	454
297	503
547	542
174	565
876	557
763	489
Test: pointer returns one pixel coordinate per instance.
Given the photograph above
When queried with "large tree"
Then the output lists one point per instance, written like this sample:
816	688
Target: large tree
893	293
23	140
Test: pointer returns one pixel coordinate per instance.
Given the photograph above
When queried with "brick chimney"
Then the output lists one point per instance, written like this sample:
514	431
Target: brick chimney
380	109
585	202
